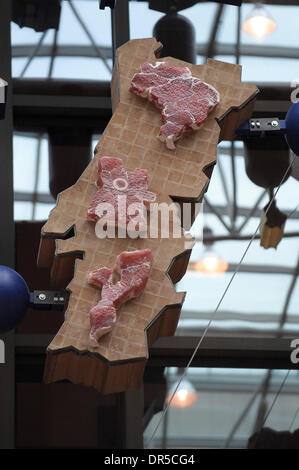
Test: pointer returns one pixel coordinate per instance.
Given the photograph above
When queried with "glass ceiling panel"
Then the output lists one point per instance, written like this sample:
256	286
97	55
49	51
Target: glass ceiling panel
70	31
22	210
24	161
81	68
268	69
249	292
142	29
23	36
42	211
222	396
43	175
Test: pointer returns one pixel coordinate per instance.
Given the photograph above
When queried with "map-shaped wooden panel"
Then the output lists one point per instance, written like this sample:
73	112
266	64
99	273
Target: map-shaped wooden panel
182	174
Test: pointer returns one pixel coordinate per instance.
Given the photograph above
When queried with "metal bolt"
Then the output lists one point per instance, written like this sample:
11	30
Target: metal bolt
61	299
42	296
274	123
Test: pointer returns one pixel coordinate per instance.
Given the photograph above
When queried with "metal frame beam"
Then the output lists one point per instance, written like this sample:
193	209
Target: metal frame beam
7	248
222	49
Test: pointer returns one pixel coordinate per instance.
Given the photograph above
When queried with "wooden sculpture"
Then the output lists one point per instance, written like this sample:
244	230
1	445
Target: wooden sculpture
68	240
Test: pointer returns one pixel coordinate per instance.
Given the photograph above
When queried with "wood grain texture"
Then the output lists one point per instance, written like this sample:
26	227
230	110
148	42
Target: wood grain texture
117	363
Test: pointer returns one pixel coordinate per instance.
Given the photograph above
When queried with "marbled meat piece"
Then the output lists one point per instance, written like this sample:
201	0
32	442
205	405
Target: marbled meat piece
133	269
184	101
113	182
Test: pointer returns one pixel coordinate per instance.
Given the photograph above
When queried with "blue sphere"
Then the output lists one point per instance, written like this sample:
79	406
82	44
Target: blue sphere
292	128
14	299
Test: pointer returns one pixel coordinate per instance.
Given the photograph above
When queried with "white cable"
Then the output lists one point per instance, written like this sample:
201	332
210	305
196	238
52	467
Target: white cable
217	307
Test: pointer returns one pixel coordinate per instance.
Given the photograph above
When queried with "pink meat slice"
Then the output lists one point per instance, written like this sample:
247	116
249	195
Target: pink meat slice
133	269
114	181
184	101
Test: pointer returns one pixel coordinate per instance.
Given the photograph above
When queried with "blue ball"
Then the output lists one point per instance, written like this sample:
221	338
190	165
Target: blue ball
292	128
14	299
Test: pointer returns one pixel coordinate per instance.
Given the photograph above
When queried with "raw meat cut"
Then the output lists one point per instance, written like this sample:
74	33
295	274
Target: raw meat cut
115	185
133	268
183	100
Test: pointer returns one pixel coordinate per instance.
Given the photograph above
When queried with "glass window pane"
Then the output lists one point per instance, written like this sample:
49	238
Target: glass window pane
38	68
81	68
42	211
24	162
22	210
43	176
249	292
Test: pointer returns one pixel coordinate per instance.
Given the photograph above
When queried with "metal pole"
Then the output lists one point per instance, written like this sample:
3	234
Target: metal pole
131	414
7	379
91	39
120	25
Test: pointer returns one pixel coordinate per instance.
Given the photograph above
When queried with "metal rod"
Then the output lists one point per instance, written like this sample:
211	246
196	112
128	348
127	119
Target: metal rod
53	53
238	35
218	215
93	43
252	211
210	48
120	25
33	54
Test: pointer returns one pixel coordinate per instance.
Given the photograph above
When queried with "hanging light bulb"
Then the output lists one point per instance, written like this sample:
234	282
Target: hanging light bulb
210	262
185	395
259	23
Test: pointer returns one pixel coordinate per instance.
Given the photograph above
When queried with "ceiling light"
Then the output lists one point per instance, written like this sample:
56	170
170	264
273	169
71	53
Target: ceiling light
184	396
259	23
211	263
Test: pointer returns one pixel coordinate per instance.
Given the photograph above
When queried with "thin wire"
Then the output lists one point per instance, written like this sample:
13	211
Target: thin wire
275	398
217	307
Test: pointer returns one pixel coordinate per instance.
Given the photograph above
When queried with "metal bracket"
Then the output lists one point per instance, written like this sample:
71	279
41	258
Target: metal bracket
47	300
264	124
259	126
107	3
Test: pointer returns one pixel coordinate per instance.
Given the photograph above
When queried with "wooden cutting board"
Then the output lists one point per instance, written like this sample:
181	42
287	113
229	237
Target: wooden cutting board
68	240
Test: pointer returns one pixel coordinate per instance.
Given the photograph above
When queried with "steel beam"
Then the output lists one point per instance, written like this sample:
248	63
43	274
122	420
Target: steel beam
120	25
7	385
222	49
256	353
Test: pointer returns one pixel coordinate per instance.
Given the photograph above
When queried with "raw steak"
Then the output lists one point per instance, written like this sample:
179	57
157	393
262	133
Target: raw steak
133	268
114	181
184	101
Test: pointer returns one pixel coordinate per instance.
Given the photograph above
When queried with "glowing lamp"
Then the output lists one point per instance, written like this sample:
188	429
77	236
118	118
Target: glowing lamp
211	263
184	396
259	23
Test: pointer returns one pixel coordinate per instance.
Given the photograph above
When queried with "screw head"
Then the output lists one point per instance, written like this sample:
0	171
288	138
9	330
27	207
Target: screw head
42	296
274	123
